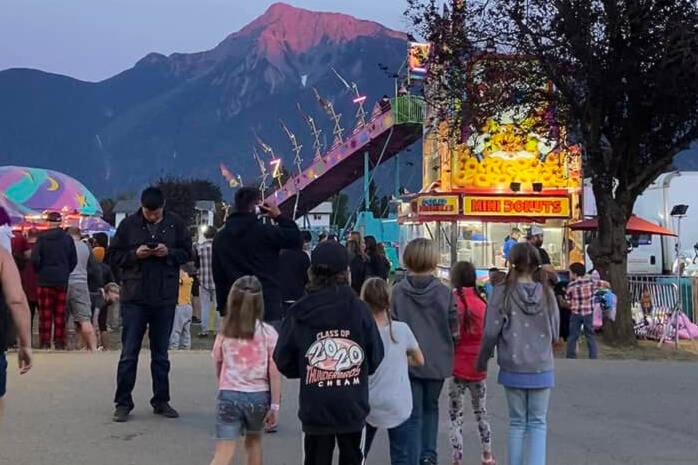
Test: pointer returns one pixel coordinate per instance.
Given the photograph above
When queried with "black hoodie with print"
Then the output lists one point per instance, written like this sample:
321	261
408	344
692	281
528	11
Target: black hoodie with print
330	341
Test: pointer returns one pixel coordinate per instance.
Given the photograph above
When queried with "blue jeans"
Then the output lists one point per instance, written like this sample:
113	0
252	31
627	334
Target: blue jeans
576	323
399	442
528	409
423	424
136	319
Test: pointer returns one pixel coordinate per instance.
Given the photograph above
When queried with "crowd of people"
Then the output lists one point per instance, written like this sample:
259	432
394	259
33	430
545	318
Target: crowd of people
368	354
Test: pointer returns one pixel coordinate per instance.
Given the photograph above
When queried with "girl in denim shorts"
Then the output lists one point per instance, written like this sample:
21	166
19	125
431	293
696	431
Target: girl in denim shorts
249	384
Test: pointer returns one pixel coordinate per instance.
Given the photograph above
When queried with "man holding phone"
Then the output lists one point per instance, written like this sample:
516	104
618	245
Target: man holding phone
248	246
149	247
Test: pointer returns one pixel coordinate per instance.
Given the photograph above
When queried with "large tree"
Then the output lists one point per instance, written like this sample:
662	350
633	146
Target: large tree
625	74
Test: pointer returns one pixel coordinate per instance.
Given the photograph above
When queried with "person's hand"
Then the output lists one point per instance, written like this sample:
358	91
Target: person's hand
143	252
161	250
270	210
24	355
271	419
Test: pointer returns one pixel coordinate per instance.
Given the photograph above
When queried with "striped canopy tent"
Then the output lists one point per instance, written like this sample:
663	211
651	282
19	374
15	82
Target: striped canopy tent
42	190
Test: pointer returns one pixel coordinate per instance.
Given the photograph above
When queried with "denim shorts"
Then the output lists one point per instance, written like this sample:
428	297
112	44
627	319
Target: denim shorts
3	374
240	413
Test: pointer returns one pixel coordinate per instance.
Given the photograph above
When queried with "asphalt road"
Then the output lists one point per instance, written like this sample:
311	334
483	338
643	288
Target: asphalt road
602	412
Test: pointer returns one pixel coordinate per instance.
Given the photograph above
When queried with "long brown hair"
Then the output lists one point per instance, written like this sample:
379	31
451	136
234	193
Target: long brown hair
244	309
463	276
525	260
376	294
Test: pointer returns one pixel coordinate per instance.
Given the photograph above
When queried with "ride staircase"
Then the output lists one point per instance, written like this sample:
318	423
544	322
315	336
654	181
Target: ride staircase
387	133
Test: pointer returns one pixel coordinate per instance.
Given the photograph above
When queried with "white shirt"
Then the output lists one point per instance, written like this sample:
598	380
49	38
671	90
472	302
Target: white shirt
389	391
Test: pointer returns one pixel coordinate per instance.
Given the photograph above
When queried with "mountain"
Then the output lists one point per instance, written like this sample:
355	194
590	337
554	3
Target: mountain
183	114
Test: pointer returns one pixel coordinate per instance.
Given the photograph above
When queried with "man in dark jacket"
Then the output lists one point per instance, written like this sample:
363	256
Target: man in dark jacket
54	257
247	246
148	249
330	341
293	269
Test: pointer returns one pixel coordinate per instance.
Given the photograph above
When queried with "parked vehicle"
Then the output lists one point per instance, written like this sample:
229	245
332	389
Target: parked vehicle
651	254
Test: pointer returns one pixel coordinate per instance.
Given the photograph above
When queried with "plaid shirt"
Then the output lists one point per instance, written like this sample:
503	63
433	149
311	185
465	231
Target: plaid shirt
205	254
580	295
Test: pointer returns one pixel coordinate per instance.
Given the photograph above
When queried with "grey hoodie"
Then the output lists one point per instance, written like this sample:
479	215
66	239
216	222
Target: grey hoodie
523	327
428	307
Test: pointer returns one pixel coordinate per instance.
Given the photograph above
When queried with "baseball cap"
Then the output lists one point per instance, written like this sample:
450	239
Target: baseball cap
535	230
331	255
54	217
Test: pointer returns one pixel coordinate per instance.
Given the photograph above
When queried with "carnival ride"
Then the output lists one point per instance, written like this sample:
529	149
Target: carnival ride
391	129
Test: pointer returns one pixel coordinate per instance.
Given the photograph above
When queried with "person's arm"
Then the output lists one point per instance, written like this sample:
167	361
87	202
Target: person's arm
271	418
16	301
286	234
121	254
554	316
181	251
286	350
494	321
217	355
453	318
414	353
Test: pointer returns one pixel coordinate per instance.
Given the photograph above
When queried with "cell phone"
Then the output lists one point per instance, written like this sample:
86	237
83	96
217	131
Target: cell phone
152	245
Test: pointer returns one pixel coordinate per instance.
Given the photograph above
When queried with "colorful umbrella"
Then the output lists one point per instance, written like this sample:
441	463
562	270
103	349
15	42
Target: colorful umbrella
16	212
39	190
635	225
90	224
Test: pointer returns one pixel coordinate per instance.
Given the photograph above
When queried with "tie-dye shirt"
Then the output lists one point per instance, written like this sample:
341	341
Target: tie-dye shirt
245	361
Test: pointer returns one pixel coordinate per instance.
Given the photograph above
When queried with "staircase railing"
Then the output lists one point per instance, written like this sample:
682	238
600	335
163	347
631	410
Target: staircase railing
408	109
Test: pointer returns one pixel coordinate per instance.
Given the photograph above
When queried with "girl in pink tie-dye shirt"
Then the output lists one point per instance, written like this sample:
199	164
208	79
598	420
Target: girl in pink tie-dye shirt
249	384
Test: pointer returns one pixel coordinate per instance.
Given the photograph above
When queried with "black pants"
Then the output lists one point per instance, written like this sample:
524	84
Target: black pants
12	331
318	448
158	322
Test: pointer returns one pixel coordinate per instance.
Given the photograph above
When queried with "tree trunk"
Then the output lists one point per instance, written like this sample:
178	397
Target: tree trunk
609	254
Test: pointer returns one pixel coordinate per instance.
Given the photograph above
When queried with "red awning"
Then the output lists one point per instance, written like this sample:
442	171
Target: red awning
636	225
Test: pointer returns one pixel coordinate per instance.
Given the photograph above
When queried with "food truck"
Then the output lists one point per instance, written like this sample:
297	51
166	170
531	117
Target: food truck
514	171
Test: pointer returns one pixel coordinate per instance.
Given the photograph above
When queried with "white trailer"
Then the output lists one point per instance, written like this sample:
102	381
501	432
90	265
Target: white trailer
655	254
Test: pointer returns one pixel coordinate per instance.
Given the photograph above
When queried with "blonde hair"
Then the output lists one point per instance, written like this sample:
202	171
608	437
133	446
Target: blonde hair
244	308
376	294
112	287
421	255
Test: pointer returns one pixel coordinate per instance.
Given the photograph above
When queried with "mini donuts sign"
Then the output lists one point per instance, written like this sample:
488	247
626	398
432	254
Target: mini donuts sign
548	207
438	205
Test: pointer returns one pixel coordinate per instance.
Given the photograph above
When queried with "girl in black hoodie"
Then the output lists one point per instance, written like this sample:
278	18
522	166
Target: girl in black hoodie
330	341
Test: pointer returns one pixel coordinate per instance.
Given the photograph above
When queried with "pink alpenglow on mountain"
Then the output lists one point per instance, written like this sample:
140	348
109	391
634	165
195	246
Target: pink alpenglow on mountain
280	32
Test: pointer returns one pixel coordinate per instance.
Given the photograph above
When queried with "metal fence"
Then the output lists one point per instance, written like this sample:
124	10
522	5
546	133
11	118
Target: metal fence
660	293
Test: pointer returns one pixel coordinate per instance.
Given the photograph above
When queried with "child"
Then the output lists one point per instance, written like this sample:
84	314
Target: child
389	393
330	341
427	306
471	311
580	296
249	385
112	293
522	321
181	328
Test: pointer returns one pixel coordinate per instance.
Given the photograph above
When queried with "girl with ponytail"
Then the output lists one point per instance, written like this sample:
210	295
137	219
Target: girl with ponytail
389	391
249	384
471	311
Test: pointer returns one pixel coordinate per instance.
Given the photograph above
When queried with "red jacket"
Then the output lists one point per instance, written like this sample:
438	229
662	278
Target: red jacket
468	346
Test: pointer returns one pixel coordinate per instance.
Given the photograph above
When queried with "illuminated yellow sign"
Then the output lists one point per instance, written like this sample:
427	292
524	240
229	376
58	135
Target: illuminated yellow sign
438	205
549	207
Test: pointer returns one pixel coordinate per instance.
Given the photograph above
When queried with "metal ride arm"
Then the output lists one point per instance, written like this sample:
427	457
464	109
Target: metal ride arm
365	195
